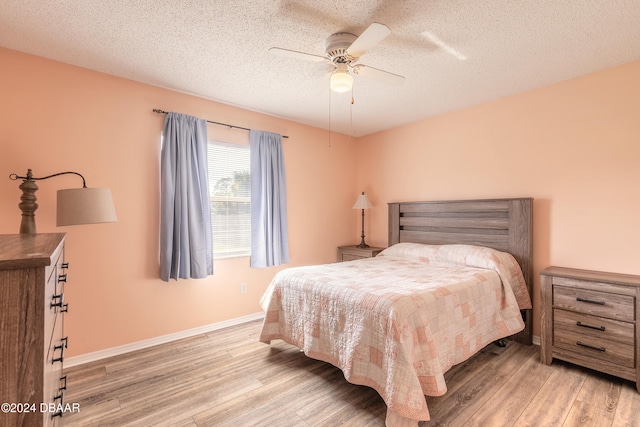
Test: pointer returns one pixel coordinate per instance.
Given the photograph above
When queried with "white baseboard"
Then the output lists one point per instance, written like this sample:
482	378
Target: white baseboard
138	345
536	340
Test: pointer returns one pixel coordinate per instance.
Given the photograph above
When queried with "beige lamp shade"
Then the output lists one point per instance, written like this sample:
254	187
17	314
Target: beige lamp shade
362	202
85	206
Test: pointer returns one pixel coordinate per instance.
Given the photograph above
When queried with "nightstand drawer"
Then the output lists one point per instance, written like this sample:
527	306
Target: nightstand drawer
351	257
352	253
613	306
594	327
610	351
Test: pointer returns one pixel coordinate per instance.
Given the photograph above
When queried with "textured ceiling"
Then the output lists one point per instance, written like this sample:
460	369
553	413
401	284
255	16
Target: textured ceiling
453	53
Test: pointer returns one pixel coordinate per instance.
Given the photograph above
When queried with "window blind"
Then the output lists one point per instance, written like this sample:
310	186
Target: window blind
230	192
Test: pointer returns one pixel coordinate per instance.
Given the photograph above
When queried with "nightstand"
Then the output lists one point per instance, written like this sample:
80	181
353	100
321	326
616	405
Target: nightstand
349	253
591	318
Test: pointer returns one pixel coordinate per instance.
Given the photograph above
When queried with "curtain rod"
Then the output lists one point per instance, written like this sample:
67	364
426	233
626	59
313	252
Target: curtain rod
159	111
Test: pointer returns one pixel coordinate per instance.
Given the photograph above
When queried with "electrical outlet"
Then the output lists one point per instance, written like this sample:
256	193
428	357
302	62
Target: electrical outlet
243	288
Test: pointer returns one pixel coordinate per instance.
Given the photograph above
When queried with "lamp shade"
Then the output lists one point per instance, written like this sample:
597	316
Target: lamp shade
85	206
362	202
341	81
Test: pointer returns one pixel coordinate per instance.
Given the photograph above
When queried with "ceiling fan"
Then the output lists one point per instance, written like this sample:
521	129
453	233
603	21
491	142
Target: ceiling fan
343	50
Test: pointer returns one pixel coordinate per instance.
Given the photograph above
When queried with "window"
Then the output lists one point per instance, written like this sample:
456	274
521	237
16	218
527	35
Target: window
230	190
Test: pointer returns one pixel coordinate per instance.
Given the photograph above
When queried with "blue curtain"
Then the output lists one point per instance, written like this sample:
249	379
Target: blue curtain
186	247
269	235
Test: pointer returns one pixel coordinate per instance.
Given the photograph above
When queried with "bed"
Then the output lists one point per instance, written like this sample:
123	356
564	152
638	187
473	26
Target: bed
455	277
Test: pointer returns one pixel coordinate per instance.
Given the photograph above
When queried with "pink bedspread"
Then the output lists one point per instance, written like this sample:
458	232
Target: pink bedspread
399	321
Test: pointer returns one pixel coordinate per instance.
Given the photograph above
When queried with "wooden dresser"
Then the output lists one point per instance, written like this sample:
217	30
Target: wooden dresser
349	253
592	319
32	346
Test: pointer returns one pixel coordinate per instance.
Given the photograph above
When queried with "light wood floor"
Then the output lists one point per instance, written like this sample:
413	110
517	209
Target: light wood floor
228	378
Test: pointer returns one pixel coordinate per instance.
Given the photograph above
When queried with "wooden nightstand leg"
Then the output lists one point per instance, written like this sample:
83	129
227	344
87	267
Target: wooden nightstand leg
546	319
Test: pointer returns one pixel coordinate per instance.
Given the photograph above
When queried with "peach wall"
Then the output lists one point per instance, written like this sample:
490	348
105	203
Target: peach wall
574	147
56	117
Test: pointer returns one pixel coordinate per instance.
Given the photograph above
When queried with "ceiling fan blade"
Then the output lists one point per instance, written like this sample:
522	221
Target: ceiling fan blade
379	75
298	55
373	35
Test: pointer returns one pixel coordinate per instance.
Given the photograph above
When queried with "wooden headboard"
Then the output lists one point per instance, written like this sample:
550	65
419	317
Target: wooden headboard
502	224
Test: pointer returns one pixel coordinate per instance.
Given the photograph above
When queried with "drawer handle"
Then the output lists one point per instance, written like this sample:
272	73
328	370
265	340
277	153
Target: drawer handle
65	309
57	301
62	278
592	347
64	342
64	265
585	325
63	381
590	301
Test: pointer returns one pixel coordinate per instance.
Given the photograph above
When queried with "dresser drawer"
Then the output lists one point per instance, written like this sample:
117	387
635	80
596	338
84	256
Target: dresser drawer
53	392
57	346
49	311
613	306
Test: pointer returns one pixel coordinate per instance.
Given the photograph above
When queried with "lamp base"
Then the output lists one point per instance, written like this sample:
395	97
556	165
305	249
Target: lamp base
28	204
362	243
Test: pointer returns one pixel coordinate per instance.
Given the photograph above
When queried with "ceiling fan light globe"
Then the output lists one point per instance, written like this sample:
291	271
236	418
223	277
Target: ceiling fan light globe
341	82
